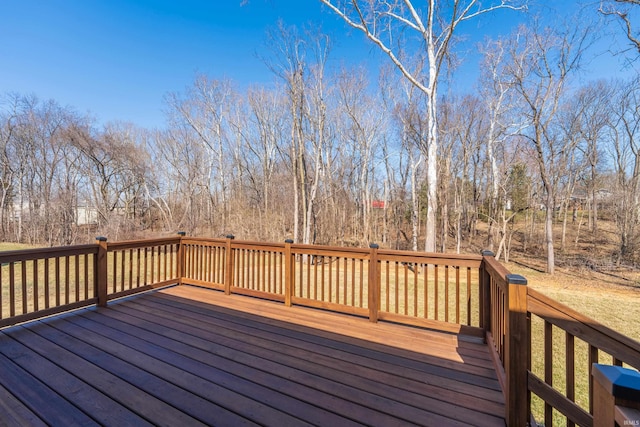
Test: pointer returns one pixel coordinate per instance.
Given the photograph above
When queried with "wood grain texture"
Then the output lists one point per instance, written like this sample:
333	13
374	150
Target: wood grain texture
188	356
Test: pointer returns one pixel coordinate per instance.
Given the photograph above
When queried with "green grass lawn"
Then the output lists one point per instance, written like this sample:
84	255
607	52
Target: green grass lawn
8	246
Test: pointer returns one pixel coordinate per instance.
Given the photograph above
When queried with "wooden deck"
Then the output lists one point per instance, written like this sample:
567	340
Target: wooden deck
185	356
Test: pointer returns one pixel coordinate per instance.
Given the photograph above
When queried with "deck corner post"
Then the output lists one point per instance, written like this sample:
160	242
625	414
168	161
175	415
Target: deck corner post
516	358
101	271
180	260
485	294
373	283
228	272
288	272
615	386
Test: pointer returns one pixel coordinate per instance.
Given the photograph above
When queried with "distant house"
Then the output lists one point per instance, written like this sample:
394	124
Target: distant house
84	214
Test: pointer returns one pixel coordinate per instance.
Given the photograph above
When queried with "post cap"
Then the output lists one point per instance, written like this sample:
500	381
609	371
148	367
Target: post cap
516	279
374	246
182	233
288	241
622	383
101	239
487	252
230	236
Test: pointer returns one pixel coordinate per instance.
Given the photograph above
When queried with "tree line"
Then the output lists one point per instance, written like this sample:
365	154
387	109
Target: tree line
338	156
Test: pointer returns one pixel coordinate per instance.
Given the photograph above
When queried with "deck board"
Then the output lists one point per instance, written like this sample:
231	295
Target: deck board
191	356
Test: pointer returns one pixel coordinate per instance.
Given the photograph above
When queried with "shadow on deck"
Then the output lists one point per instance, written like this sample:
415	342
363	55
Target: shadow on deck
190	356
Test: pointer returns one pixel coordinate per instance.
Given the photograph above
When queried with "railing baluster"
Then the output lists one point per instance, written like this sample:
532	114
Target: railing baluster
123	260
446	293
570	371
436	294
388	285
47	302
23	280
67	289
426	291
415	289
130	269
77	276
57	279
12	289
457	294
86	276
406	289
362	300
36	293
548	368
469	296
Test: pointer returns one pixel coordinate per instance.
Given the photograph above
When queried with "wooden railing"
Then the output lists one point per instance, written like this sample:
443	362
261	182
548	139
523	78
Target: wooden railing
567	345
40	282
545	351
35	283
432	290
467	294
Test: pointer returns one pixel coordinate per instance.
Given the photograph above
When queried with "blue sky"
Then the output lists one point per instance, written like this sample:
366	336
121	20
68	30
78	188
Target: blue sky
116	59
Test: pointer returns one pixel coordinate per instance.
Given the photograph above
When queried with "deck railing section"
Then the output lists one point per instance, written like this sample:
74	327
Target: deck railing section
431	290
565	345
41	282
135	266
330	278
258	270
528	332
204	262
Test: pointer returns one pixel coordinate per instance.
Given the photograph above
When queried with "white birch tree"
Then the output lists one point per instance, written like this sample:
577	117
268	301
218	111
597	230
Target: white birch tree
390	25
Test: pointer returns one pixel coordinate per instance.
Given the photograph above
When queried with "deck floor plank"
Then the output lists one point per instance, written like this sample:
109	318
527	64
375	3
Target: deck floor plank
407	353
44	402
37	354
300	368
317	360
186	356
15	413
222	382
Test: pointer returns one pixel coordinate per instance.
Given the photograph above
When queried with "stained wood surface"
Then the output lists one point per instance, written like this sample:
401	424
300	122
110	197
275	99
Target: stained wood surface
191	356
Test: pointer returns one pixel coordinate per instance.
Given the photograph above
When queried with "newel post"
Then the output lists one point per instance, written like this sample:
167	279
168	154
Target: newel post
516	352
288	272
485	295
615	386
101	271
228	271
373	283
181	258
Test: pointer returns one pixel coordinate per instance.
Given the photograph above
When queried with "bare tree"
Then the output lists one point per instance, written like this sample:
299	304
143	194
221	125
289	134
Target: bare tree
205	110
361	122
539	64
626	11
626	156
594	115
389	25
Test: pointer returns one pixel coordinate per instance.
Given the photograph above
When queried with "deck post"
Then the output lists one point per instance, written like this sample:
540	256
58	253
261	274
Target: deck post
288	272
615	386
180	260
485	295
101	271
373	283
516	353
228	271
